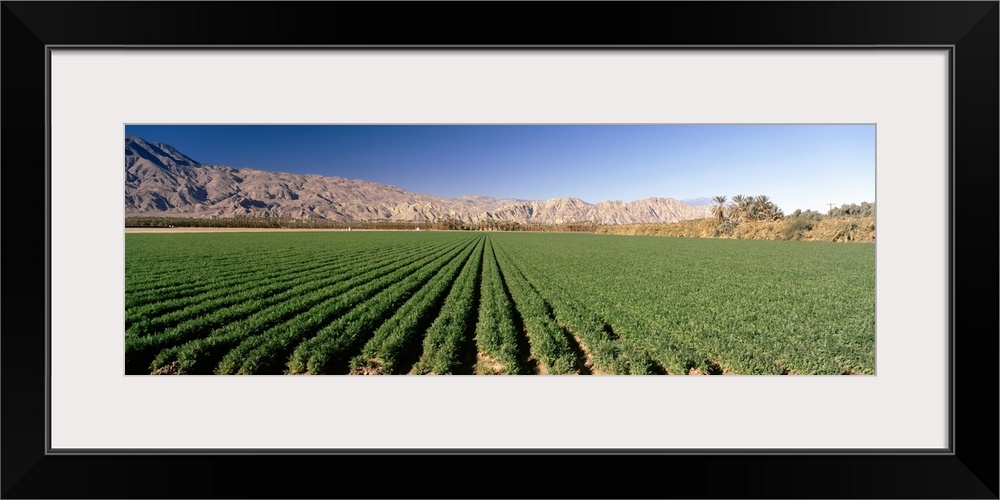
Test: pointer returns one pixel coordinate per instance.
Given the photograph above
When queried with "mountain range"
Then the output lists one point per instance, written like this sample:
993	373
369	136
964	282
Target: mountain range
162	181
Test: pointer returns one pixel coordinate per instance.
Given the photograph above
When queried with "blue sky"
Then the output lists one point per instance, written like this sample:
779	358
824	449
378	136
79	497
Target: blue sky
798	166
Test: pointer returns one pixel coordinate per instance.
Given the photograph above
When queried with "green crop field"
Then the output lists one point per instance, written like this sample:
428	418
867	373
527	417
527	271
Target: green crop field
495	303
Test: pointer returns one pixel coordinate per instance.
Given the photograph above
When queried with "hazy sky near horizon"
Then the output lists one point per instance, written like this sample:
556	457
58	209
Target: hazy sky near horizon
798	166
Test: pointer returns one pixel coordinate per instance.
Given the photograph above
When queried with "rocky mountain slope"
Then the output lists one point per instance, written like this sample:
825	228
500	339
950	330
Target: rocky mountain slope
161	181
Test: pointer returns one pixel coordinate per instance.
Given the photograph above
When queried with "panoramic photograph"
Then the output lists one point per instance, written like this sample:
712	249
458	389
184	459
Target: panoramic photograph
572	249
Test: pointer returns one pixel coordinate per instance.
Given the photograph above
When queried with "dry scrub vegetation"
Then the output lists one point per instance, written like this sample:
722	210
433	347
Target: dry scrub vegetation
840	229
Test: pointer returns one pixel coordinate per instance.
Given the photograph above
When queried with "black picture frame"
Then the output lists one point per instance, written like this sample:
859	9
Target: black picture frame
970	470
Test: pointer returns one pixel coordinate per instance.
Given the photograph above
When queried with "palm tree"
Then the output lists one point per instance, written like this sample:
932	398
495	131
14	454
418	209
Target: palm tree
763	207
738	208
720	209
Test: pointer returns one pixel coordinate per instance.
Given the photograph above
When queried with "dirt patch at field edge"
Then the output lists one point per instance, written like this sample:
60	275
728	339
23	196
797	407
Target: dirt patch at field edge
371	367
540	368
486	365
713	369
171	368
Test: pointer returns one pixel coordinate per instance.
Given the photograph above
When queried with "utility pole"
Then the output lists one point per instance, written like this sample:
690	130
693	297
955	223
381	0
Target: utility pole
831	208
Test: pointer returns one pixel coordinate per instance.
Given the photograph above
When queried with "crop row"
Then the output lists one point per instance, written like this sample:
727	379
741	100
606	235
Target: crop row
497	335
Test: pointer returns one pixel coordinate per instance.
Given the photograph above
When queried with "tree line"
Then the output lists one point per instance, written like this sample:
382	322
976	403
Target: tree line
242	221
761	208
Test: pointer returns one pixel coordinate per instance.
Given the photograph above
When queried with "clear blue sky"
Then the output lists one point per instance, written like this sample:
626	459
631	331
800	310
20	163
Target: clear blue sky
798	166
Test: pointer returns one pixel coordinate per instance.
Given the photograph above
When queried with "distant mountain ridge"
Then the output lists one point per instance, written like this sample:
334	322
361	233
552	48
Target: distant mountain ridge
162	181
